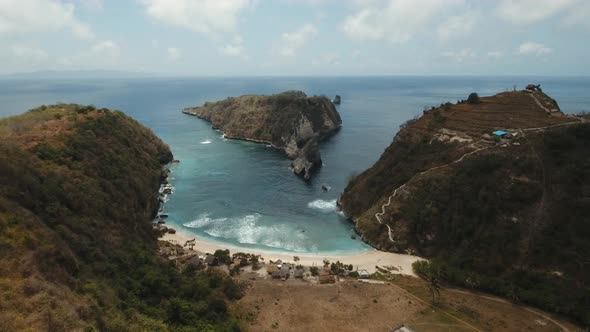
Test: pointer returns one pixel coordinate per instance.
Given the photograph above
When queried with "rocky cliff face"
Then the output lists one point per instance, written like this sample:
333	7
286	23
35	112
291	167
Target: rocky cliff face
499	213
289	121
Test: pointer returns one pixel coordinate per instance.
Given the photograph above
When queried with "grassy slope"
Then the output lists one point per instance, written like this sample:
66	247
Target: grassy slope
502	220
77	189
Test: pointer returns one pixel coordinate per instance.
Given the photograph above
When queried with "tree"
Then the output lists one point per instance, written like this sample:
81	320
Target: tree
296	258
222	256
473	98
432	273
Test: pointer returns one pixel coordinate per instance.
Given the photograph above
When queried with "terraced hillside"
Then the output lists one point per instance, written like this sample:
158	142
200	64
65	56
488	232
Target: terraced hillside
501	214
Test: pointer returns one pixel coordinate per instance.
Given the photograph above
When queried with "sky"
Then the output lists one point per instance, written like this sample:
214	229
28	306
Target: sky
298	37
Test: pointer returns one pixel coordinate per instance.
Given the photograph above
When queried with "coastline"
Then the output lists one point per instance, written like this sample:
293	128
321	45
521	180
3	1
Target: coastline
367	260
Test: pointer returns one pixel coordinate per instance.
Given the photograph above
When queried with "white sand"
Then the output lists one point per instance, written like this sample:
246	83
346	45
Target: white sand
363	260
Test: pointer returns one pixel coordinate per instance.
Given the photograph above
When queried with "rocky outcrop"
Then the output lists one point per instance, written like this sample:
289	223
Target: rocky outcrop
290	121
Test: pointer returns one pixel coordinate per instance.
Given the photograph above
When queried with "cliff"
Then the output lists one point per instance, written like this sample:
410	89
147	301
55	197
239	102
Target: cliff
503	214
78	188
289	121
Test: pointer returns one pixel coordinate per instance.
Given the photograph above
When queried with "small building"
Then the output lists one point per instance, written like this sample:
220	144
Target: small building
364	274
271	268
402	328
327	279
278	262
211	260
500	133
281	274
298	273
195	262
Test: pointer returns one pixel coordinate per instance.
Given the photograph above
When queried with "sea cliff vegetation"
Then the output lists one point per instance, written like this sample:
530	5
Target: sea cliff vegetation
78	187
503	215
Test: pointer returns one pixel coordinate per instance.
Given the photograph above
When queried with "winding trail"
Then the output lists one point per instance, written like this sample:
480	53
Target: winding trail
395	192
379	214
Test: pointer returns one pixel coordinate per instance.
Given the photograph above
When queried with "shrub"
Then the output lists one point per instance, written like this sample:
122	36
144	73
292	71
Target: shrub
473	98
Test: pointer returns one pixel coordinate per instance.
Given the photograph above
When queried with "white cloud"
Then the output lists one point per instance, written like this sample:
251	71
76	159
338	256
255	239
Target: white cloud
173	54
459	25
524	12
205	16
331	59
291	42
93	5
461	55
29	53
18	16
106	48
495	54
233	48
398	21
532	48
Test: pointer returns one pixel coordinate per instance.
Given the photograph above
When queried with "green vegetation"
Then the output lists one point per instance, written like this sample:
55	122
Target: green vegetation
509	220
473	98
78	186
432	273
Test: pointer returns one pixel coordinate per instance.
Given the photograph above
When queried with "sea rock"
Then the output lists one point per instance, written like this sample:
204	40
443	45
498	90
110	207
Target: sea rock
290	121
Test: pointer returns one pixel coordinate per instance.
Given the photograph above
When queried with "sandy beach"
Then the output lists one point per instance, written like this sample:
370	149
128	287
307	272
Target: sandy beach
363	260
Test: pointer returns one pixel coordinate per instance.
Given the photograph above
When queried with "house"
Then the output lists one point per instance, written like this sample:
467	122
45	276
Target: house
533	87
281	274
500	133
364	274
299	273
271	268
402	328
326	277
211	260
195	262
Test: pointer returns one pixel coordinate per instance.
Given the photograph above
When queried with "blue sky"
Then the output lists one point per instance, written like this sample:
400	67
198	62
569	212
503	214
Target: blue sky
298	37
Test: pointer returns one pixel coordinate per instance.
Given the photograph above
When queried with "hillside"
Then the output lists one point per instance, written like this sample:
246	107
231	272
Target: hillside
78	188
289	121
505	215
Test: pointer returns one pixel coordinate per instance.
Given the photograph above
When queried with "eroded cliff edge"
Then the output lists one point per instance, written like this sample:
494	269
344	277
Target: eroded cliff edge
496	191
290	121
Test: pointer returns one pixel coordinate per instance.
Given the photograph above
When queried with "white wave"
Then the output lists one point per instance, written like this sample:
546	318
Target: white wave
207	141
322	205
203	221
249	230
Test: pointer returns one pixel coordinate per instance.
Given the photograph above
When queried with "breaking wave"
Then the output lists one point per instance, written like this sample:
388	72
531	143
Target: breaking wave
207	141
324	206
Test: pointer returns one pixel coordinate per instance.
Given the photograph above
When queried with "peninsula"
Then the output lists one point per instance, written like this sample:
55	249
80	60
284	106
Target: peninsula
493	190
289	121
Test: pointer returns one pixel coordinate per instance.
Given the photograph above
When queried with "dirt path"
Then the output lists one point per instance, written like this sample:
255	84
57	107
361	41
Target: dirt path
379	214
395	192
500	300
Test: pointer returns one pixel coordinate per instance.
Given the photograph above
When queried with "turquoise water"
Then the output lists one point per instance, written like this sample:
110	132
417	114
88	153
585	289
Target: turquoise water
243	193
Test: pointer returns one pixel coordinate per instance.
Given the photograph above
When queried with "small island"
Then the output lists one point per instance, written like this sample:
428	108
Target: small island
289	121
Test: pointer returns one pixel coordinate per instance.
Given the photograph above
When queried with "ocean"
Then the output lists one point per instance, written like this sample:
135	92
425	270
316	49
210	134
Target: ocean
243	193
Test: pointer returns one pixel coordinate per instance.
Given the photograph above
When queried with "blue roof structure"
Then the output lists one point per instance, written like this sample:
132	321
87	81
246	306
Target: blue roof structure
499	133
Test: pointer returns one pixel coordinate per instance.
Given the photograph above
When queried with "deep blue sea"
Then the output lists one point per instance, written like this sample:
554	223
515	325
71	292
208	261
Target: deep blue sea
243	193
